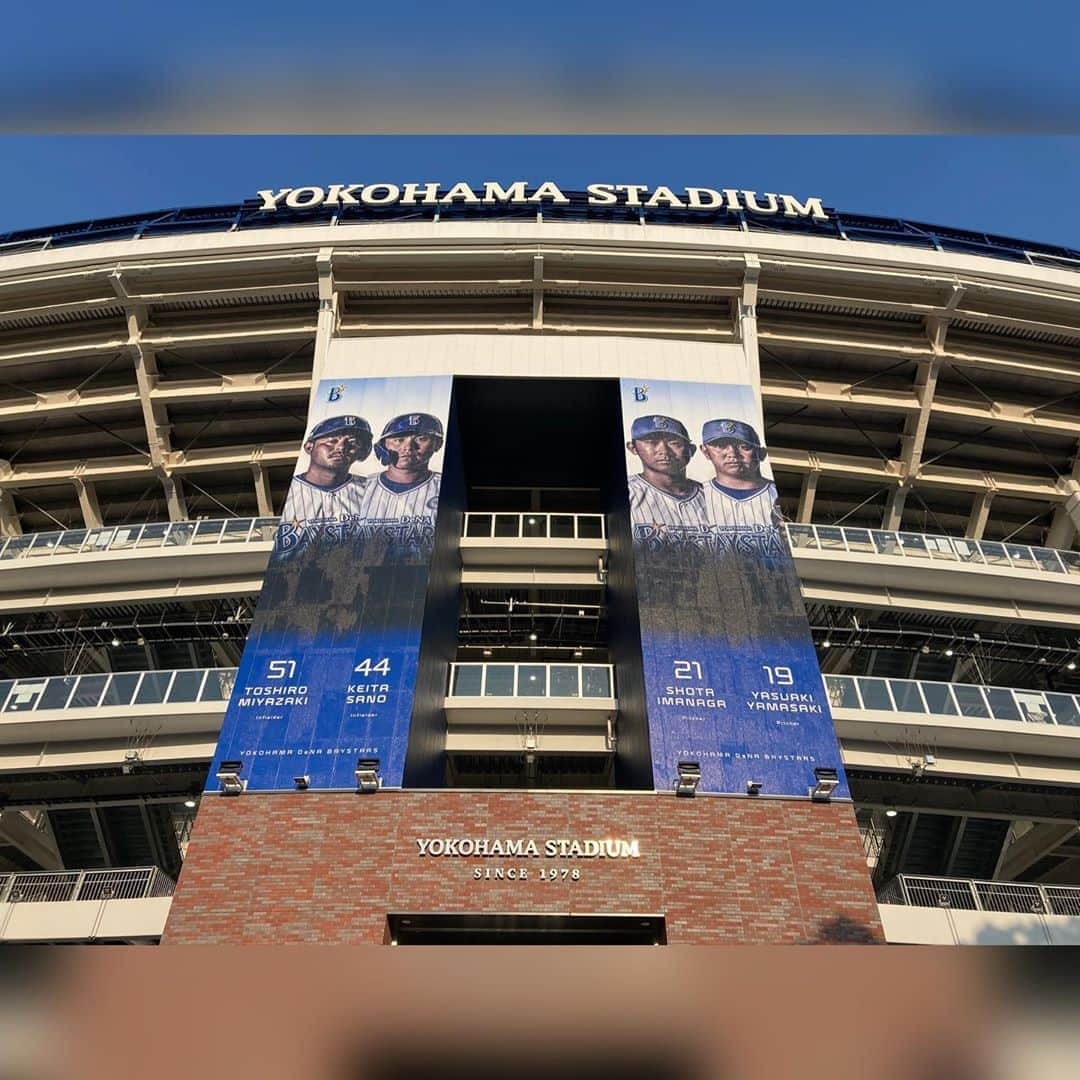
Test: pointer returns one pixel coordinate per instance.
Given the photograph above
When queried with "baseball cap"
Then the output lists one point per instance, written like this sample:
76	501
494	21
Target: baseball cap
644	426
413	424
729	429
333	424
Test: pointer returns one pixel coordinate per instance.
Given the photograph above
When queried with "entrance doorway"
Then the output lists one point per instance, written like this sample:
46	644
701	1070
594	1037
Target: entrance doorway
439	929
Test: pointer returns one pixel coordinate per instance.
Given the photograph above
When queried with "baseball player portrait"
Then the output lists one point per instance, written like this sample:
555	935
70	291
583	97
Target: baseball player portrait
326	490
407	487
738	497
662	495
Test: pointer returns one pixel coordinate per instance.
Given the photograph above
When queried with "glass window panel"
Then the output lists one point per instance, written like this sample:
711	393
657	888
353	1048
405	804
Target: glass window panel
478	525
5	688
534	525
218	685
802	536
967	550
208	532
564	680
265	528
907	696
994	553
153	535
1071	559
913	544
153	687
16	546
125	537
875	694
98	539
938	698
468	680
57	691
121	688
1020	555
88	692
590	527
507	525
186	685
562	526
1065	710
830	538
531	679
887	543
500	680
25	694
44	544
842	692
71	541
1033	707
858	539
940	547
970	700
1002	705
179	534
1047	560
236	530
596	681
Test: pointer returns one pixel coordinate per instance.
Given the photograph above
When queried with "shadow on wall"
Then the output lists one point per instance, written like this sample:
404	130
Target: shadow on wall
842	930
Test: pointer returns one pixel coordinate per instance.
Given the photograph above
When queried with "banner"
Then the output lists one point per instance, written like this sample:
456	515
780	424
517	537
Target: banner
731	677
329	668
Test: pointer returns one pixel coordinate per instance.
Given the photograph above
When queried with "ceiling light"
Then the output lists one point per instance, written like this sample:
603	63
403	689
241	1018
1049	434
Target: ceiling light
487	652
826	644
189	803
115	641
1071	665
948	652
891	812
578	653
532	637
140	640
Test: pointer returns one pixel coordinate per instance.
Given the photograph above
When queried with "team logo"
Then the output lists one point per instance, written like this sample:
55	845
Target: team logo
336	392
641	393
728	427
414	420
661	423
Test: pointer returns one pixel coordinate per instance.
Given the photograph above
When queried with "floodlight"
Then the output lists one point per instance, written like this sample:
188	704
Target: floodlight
688	779
228	776
368	779
828	780
131	759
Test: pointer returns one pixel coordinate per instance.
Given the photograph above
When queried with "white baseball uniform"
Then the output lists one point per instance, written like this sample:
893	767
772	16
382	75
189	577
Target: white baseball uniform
653	507
387	501
731	508
309	502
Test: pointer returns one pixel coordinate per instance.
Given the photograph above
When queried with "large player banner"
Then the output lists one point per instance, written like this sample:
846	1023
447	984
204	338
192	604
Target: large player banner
329	667
731	677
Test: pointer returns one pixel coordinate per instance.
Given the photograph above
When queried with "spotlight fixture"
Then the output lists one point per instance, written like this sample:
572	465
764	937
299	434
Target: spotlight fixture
828	780
753	787
688	779
368	779
301	783
131	759
228	776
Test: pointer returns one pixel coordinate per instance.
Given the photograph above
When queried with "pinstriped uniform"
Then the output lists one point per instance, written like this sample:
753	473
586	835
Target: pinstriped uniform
653	507
309	502
421	500
728	512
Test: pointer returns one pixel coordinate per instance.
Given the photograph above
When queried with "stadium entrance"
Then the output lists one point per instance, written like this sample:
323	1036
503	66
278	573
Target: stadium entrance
463	929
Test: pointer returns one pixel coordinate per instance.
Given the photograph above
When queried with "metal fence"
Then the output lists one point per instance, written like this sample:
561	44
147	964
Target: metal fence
156	534
538	526
39	887
924	546
532	680
922	697
120	689
967	894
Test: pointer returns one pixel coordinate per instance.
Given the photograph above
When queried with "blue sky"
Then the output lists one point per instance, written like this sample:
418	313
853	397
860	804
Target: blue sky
1020	186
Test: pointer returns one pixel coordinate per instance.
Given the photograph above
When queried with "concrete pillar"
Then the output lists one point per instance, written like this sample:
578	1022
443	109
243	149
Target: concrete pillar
805	512
980	514
262	491
894	508
88	503
174	498
9	516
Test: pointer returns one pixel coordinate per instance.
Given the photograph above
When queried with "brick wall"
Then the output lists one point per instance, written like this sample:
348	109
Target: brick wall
322	867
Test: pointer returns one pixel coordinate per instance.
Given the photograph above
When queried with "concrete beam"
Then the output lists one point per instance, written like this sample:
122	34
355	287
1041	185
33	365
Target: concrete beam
1031	847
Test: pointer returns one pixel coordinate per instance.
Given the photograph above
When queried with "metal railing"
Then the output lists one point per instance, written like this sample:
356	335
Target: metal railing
967	894
924	546
37	887
510	526
922	697
122	688
532	680
154	534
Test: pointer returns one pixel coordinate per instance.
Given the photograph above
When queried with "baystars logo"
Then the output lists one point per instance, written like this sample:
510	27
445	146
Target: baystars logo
641	393
336	392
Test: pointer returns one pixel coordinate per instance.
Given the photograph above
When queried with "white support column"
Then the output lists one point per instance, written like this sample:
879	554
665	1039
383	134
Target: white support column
980	514
88	503
9	516
746	323
326	324
174	498
1066	520
262	490
805	512
538	293
914	438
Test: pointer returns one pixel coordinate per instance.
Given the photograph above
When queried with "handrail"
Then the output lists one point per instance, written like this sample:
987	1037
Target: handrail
972	894
149	535
927	546
925	697
487	525
117	689
531	680
52	886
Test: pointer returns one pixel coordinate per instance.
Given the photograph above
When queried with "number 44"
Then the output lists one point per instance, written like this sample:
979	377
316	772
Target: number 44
380	667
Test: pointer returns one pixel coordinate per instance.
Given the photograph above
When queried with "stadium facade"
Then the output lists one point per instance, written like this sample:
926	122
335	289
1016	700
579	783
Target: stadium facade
487	695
